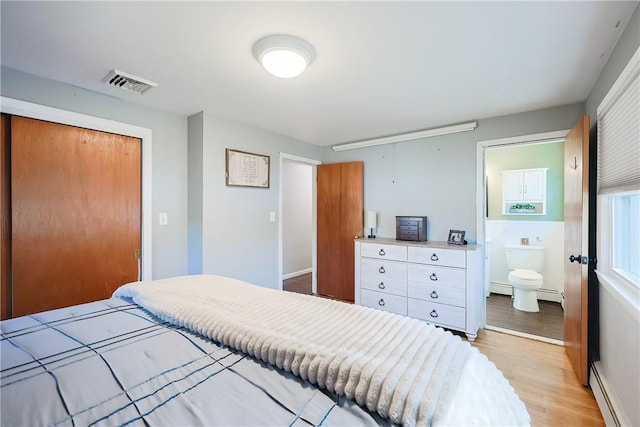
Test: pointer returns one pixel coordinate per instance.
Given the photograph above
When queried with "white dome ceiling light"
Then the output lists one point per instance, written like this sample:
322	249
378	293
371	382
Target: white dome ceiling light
284	56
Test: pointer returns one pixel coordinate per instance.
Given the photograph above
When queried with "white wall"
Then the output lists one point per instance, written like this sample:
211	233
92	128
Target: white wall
548	234
297	215
620	353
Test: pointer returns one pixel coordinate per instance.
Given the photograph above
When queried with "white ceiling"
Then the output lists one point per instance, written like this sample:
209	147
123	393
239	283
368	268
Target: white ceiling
381	68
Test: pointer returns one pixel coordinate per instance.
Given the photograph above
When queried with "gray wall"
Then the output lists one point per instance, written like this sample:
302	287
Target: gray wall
169	155
624	50
436	176
238	240
619	345
195	192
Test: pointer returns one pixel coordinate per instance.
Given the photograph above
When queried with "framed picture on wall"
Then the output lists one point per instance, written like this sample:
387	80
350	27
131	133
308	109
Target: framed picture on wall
456	237
244	169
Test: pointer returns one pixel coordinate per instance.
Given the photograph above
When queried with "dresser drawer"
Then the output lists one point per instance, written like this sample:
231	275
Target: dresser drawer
388	284
433	275
384	269
382	251
439	314
382	301
437	256
442	294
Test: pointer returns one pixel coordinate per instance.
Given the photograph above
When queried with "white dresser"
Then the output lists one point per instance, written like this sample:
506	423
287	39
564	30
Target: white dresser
432	281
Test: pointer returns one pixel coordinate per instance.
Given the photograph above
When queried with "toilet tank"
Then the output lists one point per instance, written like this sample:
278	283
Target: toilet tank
525	256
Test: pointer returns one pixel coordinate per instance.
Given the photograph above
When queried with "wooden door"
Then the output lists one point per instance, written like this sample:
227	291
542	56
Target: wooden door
5	222
340	194
76	217
576	246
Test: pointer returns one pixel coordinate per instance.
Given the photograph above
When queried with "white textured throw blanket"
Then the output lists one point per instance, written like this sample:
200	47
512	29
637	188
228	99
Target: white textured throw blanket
400	367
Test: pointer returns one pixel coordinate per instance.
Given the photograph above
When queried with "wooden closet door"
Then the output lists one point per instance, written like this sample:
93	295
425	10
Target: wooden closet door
76	217
5	219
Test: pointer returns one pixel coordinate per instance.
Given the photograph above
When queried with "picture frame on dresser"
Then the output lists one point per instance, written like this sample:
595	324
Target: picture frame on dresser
456	237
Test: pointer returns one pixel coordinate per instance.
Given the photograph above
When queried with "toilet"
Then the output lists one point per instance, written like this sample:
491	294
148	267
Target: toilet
525	264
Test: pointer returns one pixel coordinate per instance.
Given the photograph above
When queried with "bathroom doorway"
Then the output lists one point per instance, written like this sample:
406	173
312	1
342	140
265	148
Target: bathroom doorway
536	221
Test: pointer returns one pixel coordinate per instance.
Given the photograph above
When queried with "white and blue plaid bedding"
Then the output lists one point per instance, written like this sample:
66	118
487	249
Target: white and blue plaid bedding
111	363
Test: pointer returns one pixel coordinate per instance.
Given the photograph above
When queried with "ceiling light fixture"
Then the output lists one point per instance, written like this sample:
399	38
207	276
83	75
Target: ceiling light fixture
284	56
446	130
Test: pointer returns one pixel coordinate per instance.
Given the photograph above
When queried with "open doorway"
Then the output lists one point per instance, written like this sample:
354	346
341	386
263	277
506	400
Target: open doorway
531	225
297	245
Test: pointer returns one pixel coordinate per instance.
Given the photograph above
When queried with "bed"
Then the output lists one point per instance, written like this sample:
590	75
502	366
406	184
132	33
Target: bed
211	350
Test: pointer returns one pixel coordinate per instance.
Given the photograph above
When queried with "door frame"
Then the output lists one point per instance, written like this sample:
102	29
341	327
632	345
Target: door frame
57	115
481	188
284	157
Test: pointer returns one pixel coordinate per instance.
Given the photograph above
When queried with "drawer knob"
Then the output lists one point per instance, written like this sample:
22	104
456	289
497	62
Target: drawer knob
434	257
381	252
433	277
433	314
381	285
381	302
434	295
381	270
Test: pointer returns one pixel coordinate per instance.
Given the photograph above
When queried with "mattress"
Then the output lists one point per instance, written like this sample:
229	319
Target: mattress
115	362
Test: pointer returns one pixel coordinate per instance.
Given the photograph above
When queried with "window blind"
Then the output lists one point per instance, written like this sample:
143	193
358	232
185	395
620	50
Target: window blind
619	134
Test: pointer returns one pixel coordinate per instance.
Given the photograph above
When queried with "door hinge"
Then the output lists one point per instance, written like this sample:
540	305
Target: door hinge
136	254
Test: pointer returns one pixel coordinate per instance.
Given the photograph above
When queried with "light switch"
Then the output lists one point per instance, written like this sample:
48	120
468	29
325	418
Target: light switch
164	218
272	216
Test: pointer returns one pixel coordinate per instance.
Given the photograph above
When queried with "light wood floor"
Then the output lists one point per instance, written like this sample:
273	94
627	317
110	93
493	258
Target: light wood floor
540	373
542	376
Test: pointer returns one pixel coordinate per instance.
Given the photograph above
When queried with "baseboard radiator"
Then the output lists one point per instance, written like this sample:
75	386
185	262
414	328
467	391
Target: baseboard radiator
542	294
612	413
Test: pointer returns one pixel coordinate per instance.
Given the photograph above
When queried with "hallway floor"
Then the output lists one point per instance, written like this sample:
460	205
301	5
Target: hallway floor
300	284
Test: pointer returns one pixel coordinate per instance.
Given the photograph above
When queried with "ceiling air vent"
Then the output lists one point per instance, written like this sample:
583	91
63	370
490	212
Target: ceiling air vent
128	82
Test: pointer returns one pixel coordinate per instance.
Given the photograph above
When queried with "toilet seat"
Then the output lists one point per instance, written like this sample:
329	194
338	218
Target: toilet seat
524	277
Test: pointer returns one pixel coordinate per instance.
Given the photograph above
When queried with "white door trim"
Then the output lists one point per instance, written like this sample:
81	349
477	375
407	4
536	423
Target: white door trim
314	232
481	183
57	115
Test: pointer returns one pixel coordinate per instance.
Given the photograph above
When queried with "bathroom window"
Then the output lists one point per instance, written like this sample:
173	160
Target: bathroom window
625	242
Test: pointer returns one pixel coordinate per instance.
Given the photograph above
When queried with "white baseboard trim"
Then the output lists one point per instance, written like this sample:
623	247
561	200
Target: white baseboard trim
611	411
543	294
500	288
297	273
